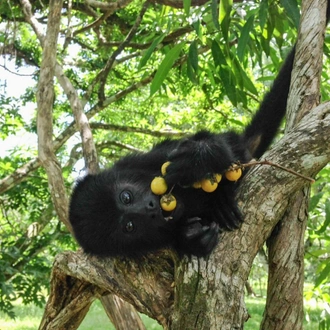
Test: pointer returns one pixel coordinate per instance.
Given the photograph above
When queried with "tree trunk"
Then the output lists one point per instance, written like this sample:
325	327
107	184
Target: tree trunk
68	303
210	293
284	306
121	313
249	289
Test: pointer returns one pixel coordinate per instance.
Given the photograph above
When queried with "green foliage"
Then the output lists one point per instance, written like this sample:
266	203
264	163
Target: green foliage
10	117
182	70
291	7
244	38
318	246
28	317
165	67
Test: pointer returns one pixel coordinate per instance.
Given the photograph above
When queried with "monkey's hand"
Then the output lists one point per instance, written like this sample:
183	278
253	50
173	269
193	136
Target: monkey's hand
198	239
197	158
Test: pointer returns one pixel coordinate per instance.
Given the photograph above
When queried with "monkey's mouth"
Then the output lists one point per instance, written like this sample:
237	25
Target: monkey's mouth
169	217
175	215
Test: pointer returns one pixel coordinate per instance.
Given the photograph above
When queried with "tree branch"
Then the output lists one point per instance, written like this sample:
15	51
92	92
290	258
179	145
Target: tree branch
179	3
69	301
263	197
130	129
81	120
127	319
12	50
170	38
109	8
45	99
107	68
21	173
147	283
286	244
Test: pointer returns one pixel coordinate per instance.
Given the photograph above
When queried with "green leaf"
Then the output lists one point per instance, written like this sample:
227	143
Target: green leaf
150	50
291	8
244	38
228	80
192	74
186	6
237	71
192	63
326	220
193	55
265	46
224	16
225	73
314	201
246	82
224	9
263	11
323	275
165	67
214	10
218	56
197	27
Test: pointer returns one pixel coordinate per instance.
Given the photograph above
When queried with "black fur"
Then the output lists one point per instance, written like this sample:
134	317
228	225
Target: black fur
104	225
115	213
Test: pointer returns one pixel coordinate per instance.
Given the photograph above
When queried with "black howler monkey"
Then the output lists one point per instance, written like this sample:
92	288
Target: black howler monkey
116	213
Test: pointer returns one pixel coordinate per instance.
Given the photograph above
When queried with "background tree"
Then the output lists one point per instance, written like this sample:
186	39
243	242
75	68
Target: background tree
187	65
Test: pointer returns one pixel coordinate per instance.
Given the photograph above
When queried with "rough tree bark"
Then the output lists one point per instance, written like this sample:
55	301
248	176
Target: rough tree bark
121	314
147	284
284	305
70	300
45	99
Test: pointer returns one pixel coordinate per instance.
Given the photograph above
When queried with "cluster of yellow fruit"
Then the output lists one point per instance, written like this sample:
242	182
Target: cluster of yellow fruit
159	187
168	201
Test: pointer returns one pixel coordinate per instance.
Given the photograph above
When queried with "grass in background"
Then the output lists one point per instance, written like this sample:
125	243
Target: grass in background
97	319
256	306
28	317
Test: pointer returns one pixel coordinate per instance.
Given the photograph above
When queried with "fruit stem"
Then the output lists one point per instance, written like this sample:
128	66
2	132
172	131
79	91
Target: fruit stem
171	190
266	162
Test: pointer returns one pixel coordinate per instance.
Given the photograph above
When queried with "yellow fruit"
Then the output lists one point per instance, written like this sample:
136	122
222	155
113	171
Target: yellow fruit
209	185
197	185
158	185
163	168
233	175
168	202
217	177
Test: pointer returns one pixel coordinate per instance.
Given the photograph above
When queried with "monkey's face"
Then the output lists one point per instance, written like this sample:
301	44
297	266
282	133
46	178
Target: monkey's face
116	213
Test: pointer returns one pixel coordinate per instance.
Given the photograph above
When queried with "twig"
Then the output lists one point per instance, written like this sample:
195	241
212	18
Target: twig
105	71
266	162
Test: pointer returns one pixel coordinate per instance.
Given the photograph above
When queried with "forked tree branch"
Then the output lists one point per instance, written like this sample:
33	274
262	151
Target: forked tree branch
102	77
108	9
286	245
148	283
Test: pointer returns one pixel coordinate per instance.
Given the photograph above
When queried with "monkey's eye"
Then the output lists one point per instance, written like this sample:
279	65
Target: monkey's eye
126	197
129	227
